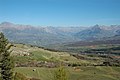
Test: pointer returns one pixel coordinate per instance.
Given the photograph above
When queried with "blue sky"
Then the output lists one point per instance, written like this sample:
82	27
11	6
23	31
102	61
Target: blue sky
61	12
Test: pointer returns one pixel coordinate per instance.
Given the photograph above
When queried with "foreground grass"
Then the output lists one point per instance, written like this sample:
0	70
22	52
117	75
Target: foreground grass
81	73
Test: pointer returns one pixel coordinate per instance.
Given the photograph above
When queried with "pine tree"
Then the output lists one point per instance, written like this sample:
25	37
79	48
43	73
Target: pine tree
7	64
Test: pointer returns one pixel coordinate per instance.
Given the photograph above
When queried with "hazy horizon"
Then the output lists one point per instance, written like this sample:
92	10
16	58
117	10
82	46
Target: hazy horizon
57	26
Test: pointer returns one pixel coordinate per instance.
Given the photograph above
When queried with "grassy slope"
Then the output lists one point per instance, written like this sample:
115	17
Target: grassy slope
38	54
84	73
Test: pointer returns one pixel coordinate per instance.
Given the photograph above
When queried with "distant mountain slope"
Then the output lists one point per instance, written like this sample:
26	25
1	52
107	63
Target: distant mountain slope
46	36
41	36
98	32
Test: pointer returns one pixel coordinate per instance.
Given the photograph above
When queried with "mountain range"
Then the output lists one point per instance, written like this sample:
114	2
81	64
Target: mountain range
98	32
46	36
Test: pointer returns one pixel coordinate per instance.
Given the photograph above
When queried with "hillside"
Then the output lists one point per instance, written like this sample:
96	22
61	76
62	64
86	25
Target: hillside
39	63
28	53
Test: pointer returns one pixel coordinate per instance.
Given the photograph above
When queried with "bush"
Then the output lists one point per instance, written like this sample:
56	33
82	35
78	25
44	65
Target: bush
19	76
61	74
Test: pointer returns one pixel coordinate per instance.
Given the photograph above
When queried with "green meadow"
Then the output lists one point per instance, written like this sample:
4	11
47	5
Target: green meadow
81	73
